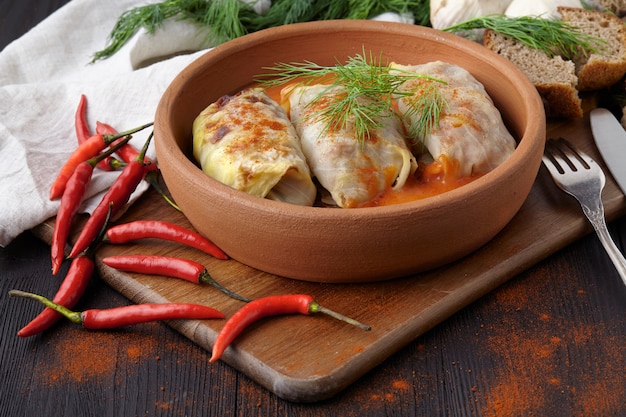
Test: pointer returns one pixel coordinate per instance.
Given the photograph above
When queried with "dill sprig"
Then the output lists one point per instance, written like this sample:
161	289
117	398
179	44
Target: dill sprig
368	89
554	37
223	20
426	107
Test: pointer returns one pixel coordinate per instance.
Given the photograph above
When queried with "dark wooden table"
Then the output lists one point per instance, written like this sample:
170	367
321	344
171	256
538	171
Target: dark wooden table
550	342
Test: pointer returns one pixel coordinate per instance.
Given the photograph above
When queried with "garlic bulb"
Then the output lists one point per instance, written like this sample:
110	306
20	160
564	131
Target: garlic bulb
444	13
540	8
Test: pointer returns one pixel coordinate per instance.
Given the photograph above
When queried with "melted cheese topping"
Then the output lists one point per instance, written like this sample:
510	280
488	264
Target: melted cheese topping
247	142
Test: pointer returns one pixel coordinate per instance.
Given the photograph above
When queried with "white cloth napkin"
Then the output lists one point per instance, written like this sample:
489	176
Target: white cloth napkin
42	76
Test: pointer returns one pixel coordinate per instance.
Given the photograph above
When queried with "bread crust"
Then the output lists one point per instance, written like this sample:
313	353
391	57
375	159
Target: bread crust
598	70
559	80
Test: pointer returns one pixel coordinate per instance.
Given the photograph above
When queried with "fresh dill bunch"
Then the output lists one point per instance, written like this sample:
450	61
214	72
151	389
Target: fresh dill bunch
554	37
224	20
149	17
368	90
284	12
221	19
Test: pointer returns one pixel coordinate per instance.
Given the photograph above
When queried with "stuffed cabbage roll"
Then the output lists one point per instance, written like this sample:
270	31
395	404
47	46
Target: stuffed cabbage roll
247	141
354	172
471	138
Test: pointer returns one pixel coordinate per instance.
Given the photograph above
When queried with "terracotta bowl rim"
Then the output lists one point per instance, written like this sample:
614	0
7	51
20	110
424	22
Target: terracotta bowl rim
525	149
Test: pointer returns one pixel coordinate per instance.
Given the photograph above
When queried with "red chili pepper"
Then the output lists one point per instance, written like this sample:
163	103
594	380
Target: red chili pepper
80	121
266	307
128	152
111	161
170	267
83	133
146	229
105	128
118	194
72	196
143	313
86	150
151	170
127	315
70	201
72	288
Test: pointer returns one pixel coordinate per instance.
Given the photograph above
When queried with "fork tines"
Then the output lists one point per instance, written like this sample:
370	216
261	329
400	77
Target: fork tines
560	151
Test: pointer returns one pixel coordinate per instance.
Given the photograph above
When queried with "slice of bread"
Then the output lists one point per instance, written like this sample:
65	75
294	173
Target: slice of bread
554	77
598	70
559	80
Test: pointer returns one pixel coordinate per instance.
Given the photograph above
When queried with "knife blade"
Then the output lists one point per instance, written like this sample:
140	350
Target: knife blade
610	138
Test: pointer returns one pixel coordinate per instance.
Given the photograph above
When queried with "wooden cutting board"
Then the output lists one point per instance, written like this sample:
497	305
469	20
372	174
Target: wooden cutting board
310	358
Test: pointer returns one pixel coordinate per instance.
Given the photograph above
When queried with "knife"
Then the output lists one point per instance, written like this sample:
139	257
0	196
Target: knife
610	138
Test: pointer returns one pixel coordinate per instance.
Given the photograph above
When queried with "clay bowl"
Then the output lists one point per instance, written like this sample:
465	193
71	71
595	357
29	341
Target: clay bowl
346	245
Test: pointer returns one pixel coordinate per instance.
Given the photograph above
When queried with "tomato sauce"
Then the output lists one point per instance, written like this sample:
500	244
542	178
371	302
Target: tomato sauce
429	180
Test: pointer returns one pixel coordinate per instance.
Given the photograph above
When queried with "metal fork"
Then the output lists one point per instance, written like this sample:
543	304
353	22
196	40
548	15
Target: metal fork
577	174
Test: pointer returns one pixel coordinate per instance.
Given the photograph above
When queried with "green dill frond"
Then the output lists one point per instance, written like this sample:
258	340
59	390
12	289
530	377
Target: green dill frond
221	17
427	106
224	20
282	12
285	73
337	9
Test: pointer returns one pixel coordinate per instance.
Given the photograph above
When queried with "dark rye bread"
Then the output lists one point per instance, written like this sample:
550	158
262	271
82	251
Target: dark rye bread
554	78
559	80
598	70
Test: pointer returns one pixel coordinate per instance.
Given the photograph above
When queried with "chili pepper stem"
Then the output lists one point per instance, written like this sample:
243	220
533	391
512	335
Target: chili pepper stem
103	230
110	151
144	149
111	138
73	316
152	177
206	278
116	164
315	307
